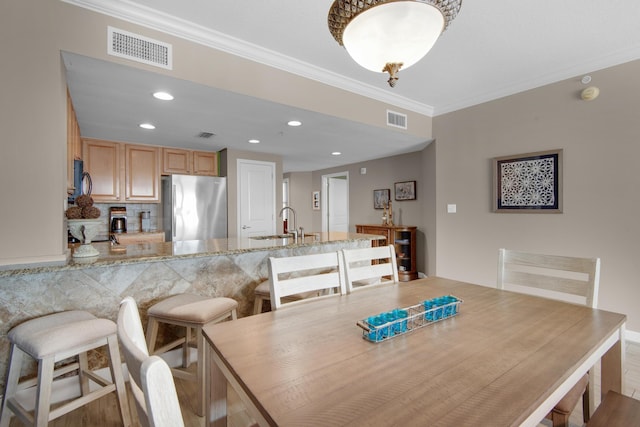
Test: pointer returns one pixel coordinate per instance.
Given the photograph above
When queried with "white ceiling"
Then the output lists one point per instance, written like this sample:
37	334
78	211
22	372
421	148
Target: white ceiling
494	48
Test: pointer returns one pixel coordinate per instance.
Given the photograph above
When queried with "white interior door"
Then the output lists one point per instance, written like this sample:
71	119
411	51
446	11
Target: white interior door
335	202
256	198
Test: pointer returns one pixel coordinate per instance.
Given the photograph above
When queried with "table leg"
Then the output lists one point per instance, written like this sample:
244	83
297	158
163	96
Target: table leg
216	391
612	367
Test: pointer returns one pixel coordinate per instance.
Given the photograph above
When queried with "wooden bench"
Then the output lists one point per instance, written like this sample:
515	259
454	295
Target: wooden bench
616	410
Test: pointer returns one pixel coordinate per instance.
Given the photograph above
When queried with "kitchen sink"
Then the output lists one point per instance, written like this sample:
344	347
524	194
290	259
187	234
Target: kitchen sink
272	237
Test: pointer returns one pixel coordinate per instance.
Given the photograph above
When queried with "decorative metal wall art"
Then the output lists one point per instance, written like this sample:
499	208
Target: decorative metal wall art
528	183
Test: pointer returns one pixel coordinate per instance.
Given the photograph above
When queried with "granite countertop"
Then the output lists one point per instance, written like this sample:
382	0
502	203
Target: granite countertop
148	252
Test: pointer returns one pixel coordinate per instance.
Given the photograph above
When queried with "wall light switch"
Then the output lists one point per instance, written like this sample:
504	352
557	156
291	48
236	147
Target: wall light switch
452	208
363	171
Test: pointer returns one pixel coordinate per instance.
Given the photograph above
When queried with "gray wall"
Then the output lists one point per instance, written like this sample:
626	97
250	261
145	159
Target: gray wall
33	110
300	189
601	142
381	174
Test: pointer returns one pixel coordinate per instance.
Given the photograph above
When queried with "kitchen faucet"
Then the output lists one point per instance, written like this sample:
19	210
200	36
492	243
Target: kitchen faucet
295	231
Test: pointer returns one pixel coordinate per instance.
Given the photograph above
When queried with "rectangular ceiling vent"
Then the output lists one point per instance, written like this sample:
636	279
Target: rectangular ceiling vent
139	48
206	135
397	120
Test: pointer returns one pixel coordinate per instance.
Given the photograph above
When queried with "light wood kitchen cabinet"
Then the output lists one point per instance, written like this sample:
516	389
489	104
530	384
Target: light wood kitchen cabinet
189	162
142	173
404	240
102	159
205	163
175	160
74	143
124	173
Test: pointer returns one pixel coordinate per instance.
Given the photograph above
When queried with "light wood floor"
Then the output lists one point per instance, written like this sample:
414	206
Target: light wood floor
103	412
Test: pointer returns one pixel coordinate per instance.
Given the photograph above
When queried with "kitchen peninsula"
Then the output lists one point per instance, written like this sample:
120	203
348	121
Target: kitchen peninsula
150	272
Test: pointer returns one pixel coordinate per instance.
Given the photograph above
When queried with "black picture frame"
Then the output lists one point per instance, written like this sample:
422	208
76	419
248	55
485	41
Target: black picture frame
405	190
381	198
528	183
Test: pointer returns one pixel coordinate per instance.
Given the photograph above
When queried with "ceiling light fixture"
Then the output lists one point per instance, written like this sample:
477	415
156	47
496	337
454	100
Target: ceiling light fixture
386	35
336	153
294	123
147	126
254	141
165	96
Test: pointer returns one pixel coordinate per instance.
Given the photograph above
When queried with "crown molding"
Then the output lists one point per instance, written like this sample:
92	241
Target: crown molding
612	59
150	18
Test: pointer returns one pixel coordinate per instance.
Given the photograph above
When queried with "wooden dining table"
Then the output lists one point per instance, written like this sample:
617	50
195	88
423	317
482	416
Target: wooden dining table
505	359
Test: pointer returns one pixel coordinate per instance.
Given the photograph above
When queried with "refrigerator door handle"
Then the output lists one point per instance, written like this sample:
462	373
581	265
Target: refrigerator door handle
173	209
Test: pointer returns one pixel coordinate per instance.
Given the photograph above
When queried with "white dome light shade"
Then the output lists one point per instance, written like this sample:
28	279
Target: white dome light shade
387	35
400	32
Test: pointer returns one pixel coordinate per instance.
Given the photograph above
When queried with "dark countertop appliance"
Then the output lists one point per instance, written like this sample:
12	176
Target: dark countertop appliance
118	215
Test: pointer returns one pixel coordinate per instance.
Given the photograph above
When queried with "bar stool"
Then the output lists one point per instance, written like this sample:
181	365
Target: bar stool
49	339
191	312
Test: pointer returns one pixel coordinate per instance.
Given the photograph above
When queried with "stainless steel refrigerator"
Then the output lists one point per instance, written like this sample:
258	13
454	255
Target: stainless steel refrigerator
194	207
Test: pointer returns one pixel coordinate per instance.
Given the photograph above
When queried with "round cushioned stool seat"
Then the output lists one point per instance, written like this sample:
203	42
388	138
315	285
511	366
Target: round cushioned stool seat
55	333
192	308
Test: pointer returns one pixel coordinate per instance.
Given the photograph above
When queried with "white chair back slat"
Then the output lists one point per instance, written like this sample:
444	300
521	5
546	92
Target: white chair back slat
319	274
369	266
550	275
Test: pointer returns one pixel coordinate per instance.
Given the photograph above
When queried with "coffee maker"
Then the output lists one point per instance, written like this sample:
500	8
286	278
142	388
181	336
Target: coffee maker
118	215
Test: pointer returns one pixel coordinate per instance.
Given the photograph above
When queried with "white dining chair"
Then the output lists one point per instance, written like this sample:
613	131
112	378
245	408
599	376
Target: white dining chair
564	278
321	274
135	352
163	407
369	266
154	394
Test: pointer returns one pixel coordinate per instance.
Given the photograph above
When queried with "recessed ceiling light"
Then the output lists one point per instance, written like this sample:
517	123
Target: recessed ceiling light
254	141
165	96
336	153
147	126
294	123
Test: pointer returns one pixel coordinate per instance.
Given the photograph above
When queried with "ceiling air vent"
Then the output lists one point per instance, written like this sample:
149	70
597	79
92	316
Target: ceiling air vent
139	48
397	120
205	134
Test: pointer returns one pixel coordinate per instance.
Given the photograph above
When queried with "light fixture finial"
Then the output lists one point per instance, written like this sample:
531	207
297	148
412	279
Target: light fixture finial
392	69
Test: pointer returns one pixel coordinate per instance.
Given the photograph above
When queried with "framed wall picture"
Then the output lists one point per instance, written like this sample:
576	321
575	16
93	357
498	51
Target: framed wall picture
528	183
315	200
381	198
405	190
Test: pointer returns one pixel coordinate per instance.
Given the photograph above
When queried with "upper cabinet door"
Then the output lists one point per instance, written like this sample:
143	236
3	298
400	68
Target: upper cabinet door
175	160
142	176
205	163
102	161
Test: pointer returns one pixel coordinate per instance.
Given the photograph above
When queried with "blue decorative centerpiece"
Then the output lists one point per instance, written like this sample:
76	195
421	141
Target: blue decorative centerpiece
402	320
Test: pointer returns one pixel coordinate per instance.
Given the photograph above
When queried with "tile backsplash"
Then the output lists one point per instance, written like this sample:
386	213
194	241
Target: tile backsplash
134	222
